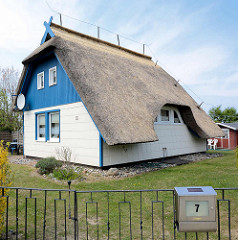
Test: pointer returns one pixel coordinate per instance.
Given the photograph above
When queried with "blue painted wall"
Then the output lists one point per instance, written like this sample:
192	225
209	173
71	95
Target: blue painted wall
61	93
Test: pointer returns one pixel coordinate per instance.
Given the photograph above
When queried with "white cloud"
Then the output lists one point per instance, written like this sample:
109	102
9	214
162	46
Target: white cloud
191	66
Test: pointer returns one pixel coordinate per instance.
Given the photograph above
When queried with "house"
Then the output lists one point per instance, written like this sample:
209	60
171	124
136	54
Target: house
230	140
108	104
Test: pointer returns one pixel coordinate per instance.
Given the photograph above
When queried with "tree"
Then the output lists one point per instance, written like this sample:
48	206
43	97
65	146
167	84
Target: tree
9	120
228	115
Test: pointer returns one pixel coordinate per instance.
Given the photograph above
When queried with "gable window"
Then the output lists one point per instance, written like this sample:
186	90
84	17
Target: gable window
54	126
52	76
164	115
41	127
40	80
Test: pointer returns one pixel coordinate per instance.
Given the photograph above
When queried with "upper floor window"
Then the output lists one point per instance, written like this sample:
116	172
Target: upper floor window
52	76
169	115
40	80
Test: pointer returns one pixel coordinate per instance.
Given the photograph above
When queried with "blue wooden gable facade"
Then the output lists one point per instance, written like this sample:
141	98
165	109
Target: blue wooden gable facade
63	92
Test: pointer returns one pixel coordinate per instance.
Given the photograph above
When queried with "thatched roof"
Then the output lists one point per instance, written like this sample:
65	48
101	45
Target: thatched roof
122	90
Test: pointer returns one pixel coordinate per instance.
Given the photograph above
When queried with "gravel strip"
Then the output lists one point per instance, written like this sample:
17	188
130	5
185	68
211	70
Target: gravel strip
133	169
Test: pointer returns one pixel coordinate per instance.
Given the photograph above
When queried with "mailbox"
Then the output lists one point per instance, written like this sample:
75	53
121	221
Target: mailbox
195	209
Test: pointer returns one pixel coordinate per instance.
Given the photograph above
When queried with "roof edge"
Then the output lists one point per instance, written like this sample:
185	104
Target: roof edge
101	41
227	126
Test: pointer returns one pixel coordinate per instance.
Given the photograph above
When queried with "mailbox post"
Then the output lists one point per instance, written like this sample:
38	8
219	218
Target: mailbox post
195	209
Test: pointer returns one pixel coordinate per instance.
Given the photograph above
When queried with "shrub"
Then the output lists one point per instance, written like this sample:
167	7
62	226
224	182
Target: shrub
47	165
5	180
65	174
236	153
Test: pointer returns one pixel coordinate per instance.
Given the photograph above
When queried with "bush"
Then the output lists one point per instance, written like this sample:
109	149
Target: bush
47	165
5	180
236	153
65	174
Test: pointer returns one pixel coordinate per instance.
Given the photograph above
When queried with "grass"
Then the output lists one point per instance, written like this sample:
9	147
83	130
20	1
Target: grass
218	172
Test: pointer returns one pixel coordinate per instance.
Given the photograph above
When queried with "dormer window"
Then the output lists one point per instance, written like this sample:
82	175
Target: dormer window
164	115
52	76
176	117
169	115
40	80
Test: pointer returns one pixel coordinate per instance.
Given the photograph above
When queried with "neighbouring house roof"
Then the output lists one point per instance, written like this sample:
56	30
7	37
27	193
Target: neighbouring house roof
122	90
233	126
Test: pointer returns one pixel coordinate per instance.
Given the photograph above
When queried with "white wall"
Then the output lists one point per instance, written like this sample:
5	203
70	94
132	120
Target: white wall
80	135
176	138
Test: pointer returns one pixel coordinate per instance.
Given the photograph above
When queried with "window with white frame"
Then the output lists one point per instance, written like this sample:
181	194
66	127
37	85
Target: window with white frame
169	115
176	117
40	80
54	126
226	132
164	113
52	76
41	127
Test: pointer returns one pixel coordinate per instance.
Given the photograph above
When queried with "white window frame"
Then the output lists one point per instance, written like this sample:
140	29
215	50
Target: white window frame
171	116
51	83
227	133
39	85
50	138
179	116
41	139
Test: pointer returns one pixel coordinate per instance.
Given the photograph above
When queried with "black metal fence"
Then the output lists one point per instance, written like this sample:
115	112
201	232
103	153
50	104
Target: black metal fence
115	214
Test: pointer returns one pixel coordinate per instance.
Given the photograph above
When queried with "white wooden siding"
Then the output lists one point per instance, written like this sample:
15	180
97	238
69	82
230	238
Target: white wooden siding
77	131
176	139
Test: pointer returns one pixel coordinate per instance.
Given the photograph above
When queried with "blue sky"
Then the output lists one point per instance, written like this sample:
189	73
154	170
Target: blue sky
194	41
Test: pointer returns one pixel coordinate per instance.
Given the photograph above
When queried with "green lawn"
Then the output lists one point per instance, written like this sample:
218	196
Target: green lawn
218	172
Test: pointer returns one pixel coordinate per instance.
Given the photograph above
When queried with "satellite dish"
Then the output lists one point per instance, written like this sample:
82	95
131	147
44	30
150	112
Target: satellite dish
21	101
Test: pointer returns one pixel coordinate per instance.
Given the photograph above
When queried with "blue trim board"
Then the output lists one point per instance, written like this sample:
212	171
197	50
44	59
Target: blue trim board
100	151
47	30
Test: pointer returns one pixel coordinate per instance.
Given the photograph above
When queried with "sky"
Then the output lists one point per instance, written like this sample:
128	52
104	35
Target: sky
194	41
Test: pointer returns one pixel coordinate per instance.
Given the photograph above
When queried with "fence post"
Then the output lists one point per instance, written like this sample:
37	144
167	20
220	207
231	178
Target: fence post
75	216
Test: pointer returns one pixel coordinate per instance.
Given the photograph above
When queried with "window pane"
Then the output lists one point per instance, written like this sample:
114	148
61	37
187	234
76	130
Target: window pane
165	115
41	126
226	132
54	76
54	125
176	118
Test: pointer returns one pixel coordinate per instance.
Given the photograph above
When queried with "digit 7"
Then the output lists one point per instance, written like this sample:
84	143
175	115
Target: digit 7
197	206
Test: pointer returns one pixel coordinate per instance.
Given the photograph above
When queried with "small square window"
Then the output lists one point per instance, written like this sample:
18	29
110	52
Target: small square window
52	76
40	80
164	115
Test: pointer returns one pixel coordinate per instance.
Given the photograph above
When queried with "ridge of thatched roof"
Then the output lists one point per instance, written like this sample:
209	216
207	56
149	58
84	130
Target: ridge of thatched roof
122	91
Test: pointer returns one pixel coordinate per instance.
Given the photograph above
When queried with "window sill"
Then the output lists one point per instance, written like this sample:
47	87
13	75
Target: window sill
53	141
168	123
40	140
